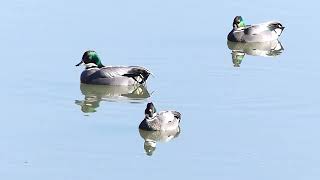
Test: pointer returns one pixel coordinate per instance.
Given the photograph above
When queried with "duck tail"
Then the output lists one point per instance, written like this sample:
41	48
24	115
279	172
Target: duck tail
139	74
277	27
144	74
177	115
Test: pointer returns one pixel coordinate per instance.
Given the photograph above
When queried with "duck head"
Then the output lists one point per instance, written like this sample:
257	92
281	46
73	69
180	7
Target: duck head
238	23
150	110
90	58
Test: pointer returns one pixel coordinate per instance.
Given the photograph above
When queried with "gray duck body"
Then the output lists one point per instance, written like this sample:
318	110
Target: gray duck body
118	75
160	121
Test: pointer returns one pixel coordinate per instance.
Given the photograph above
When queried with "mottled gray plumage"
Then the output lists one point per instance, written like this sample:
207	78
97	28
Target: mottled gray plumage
159	121
263	32
118	75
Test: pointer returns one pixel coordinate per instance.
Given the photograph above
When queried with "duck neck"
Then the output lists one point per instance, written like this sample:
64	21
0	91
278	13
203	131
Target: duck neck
149	118
91	65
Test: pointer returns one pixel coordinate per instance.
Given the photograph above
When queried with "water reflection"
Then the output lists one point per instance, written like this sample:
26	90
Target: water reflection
152	137
94	94
266	49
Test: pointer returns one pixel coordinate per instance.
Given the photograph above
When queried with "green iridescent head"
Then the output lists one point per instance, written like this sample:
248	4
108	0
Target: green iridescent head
91	57
238	22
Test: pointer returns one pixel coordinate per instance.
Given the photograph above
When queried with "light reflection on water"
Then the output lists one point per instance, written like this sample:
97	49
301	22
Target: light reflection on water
94	94
265	49
259	121
151	138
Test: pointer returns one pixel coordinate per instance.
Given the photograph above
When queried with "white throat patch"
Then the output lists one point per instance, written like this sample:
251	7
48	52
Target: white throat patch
91	65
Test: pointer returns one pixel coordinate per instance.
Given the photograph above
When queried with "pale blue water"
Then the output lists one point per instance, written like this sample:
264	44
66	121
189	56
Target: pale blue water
257	121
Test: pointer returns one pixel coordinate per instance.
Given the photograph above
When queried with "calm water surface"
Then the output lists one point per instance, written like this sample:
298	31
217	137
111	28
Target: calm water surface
253	115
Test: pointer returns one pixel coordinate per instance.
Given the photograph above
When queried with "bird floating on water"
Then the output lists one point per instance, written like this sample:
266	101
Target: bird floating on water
159	121
96	73
267	31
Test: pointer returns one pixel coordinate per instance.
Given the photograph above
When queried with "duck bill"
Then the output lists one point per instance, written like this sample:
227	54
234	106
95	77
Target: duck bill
81	62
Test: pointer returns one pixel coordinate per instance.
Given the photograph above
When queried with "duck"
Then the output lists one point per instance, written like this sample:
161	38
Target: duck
263	32
98	74
159	121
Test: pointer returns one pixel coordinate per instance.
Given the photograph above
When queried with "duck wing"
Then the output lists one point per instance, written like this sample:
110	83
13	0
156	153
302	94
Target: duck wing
260	28
138	73
168	117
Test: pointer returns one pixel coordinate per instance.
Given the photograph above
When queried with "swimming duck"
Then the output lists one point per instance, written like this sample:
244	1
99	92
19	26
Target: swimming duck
159	121
263	32
96	73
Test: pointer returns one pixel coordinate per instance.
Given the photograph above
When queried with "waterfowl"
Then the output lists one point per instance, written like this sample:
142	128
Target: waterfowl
98	74
159	121
267	31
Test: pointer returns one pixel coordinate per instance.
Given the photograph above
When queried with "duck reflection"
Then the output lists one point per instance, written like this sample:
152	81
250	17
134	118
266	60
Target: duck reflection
265	49
94	94
152	137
